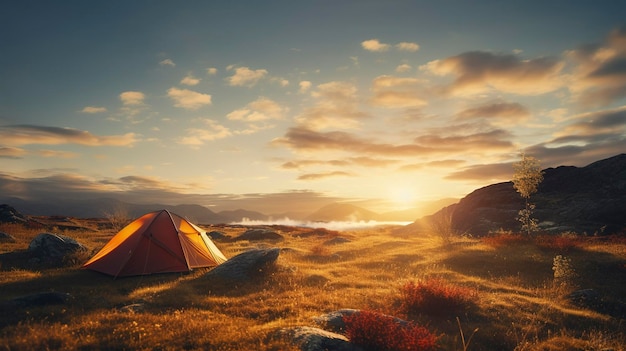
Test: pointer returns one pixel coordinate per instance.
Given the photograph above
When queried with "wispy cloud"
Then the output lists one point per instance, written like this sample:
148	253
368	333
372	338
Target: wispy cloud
497	112
188	99
336	106
58	154
318	176
93	109
16	135
600	72
496	172
12	152
480	71
395	92
199	136
246	77
167	62
211	71
304	86
375	45
262	109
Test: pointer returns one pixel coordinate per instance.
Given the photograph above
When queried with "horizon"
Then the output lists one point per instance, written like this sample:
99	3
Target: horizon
386	106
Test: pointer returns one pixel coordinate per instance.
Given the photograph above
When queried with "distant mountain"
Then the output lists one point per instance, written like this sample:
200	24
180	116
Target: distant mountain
240	214
591	199
342	212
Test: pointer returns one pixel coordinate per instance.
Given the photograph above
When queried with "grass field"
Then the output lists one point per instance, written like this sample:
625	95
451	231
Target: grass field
507	295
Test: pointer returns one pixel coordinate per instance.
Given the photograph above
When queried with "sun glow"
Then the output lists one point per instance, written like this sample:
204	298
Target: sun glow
402	196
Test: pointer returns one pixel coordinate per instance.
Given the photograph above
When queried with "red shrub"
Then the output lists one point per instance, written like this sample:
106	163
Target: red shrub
561	243
375	331
436	297
504	239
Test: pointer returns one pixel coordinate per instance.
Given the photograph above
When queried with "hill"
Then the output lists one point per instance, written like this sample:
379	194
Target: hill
590	199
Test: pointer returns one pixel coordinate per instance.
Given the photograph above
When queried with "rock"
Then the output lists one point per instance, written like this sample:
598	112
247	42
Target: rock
337	240
133	308
247	265
52	248
260	234
41	299
314	339
333	321
6	238
10	215
215	235
584	298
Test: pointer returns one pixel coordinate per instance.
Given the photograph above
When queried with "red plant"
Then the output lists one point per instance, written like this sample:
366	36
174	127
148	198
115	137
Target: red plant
436	297
376	331
559	242
504	239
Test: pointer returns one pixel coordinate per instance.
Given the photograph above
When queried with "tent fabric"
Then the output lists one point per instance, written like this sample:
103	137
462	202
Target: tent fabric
157	242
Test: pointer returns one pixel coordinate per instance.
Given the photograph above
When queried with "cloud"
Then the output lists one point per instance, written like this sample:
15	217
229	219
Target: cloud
11	152
93	109
318	176
304	85
15	135
190	80
199	136
498	113
479	71
211	71
336	106
167	62
188	99
262	109
406	46
600	71
298	138
58	154
395	92
403	68
245	77
132	98
375	45
612	121
347	162
497	172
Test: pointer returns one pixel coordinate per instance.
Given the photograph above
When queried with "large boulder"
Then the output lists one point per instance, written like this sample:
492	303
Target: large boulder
247	265
53	248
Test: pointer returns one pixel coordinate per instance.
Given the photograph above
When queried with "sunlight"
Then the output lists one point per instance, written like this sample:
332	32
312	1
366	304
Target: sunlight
402	196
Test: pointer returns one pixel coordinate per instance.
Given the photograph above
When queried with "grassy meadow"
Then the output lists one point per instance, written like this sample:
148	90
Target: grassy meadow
496	293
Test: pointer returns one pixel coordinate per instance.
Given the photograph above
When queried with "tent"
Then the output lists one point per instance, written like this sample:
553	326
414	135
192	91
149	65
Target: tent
156	242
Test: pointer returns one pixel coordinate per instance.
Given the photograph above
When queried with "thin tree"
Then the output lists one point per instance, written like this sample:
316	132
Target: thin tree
526	180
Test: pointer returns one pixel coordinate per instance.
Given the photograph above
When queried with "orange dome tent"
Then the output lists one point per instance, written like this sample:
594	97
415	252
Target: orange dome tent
156	242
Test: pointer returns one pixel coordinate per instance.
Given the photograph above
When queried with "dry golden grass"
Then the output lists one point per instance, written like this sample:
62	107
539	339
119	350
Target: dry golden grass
517	305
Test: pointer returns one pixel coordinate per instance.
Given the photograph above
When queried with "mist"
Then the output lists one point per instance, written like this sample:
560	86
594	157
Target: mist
331	225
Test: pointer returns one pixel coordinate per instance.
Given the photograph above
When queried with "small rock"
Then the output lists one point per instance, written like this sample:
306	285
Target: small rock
6	238
41	299
133	308
260	234
337	240
215	235
584	297
315	339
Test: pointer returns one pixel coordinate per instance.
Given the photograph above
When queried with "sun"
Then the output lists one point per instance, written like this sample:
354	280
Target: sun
402	196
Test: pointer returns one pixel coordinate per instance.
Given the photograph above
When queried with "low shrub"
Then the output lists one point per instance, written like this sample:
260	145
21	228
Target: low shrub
561	243
378	332
436	297
501	239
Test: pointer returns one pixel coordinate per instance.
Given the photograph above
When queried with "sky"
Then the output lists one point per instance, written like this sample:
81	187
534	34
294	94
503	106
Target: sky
276	105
